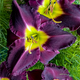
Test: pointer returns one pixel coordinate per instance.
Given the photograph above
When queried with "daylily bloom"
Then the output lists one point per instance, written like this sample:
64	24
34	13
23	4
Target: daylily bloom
34	41
50	72
5	75
62	12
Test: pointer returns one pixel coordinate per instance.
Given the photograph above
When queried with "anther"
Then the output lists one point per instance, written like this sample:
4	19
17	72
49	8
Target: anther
54	2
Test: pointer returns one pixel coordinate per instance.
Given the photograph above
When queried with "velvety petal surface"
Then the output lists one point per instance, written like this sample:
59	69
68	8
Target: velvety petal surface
58	38
3	70
19	59
21	76
4	73
11	37
47	55
53	72
21	17
35	74
44	19
71	16
34	3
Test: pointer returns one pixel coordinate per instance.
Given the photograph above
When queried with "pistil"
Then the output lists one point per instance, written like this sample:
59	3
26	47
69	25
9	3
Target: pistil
32	41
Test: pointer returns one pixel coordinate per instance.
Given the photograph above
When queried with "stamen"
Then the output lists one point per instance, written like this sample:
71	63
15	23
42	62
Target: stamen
54	2
46	11
31	40
30	49
51	7
55	20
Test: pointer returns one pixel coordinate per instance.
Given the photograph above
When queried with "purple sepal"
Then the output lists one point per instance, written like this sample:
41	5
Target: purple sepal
47	55
51	72
59	39
20	59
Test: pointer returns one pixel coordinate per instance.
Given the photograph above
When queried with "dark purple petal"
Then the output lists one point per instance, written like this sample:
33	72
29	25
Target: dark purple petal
43	19
51	72
11	37
58	38
19	59
22	76
3	70
34	3
21	17
47	55
78	6
16	49
35	74
4	73
78	31
71	16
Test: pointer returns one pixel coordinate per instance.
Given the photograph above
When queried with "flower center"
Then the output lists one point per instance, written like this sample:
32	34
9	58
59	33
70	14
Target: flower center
51	9
4	79
34	39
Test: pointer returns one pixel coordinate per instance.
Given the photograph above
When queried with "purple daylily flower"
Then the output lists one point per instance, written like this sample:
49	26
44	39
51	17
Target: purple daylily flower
50	72
62	12
5	75
35	39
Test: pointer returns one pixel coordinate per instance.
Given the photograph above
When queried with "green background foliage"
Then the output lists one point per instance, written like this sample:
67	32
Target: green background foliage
69	57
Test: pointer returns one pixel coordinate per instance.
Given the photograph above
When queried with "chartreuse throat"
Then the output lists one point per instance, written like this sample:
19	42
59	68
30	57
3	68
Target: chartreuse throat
4	78
34	39
51	9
